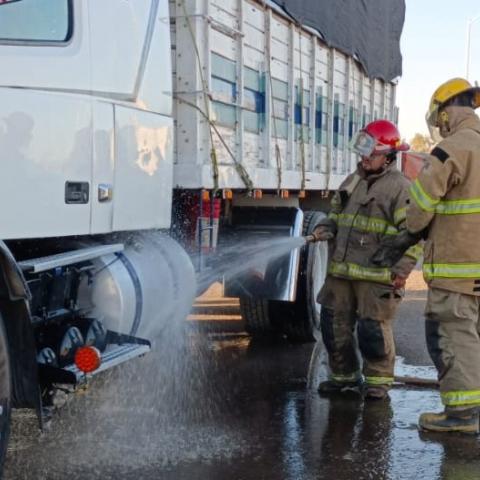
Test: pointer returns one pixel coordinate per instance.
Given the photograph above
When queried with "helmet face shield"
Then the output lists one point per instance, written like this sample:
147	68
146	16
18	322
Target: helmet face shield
432	122
431	117
380	137
363	144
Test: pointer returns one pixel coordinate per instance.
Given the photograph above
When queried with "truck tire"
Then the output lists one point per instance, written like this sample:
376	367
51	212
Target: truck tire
255	312
301	319
5	394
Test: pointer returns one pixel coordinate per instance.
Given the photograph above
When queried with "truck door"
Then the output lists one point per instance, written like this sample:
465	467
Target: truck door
45	119
131	68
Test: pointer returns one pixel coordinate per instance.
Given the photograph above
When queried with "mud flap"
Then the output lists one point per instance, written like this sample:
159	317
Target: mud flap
274	279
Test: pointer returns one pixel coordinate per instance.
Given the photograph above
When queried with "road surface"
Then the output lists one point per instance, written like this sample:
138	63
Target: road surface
215	405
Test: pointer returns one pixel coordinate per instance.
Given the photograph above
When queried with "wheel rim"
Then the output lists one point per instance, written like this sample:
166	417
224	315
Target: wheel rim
319	258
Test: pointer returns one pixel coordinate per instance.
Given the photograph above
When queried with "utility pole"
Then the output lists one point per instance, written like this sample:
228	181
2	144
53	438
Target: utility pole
469	33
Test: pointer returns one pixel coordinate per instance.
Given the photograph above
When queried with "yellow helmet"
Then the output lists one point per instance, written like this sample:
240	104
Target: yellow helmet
445	92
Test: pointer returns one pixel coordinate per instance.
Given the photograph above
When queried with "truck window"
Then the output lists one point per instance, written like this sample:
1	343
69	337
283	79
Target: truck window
321	119
338	123
352	122
224	90
302	115
280	108
36	21
365	116
253	100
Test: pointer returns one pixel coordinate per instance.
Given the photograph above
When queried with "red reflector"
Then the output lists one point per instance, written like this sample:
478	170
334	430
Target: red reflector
87	359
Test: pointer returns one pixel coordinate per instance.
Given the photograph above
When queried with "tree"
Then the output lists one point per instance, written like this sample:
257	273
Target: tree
421	143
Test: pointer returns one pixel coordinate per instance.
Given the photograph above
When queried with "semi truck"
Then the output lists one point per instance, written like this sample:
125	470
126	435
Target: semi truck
134	132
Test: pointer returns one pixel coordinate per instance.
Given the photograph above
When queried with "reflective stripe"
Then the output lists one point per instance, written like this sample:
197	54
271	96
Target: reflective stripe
415	252
451	270
352	270
379	380
333	216
468	397
424	201
443	207
458	207
366	224
400	215
351	377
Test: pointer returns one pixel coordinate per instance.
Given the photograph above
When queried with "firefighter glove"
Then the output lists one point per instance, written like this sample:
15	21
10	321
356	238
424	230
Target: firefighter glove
326	229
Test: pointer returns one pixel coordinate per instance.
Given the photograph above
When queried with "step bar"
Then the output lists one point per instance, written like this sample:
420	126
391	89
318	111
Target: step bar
120	349
111	358
42	264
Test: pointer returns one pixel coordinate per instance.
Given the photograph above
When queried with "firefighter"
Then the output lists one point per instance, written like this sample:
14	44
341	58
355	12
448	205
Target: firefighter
369	205
445	208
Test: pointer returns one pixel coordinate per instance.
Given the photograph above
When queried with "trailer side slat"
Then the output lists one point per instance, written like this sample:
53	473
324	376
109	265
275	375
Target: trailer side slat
328	97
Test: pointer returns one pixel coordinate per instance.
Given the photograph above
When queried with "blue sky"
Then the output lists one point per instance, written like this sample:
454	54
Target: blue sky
434	44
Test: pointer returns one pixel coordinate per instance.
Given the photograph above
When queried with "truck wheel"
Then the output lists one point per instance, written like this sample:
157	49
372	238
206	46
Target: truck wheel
255	313
301	319
5	394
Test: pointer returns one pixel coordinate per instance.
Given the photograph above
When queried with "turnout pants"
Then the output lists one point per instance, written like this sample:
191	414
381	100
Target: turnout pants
452	330
358	315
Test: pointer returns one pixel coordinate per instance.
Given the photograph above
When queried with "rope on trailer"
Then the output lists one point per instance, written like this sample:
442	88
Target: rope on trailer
238	166
242	172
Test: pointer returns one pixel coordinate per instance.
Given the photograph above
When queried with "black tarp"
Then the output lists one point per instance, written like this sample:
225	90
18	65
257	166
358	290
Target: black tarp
369	29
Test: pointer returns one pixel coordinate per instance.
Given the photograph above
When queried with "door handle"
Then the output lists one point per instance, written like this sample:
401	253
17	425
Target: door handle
76	192
105	192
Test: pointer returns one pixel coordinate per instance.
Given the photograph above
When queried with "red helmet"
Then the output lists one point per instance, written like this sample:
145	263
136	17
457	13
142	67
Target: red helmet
378	137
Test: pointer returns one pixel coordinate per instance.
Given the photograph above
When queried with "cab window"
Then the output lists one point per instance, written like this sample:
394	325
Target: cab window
42	21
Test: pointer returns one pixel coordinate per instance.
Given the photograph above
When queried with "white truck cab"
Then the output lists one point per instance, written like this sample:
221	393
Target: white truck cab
86	161
85	118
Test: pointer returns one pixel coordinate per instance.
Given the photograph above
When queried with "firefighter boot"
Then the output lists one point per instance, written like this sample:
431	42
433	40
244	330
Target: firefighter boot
377	392
451	420
332	386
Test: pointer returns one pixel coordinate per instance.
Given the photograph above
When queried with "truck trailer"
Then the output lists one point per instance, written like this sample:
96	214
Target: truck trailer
138	131
267	97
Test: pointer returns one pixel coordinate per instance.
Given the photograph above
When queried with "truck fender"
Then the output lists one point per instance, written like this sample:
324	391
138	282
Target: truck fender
13	278
15	311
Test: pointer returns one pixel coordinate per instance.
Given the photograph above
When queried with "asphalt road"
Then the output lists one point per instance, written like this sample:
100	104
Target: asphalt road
409	324
214	404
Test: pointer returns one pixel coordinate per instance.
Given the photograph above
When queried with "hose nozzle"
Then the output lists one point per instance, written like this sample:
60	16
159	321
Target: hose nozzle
323	237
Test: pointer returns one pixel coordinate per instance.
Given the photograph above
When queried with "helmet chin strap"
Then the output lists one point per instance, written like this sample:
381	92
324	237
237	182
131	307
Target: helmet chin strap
443	123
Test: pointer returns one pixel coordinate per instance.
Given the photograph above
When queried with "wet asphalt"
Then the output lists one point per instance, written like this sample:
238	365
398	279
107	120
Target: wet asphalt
211	403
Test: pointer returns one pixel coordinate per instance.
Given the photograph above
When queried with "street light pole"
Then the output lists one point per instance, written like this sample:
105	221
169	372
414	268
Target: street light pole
469	32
